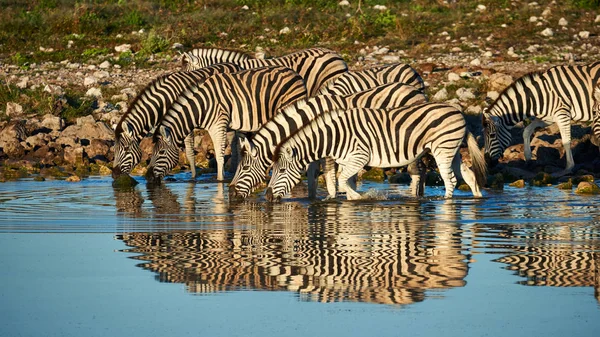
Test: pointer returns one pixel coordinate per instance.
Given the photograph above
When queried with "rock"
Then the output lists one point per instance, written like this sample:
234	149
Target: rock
13	109
54	89
433	178
124	181
123	48
547	12
380	8
563	22
104	170
546	155
22	84
104	65
73	179
584	34
476	62
89	119
101	74
597	20
400	178
587	177
496	182
481	8
89	81
586	187
13	149
441	95
97	148
547	32
73	155
465	94
518	184
453	77
499	81
567	185
488	54
473	110
542	179
493	95
284	30
130	92
68	140
94	92
390	59
375	174
53	123
39	178
343	3
177	45
533	19
36	141
97	130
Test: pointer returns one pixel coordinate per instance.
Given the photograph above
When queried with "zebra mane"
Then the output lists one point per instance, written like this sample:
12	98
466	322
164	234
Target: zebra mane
521	81
119	128
201	52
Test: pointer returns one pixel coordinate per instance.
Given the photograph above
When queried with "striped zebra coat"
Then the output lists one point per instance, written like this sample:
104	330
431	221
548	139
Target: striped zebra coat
239	101
317	66
355	81
147	110
559	95
358	137
258	151
596	113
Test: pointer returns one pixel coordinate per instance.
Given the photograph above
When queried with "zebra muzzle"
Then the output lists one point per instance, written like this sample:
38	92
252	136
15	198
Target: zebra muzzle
269	195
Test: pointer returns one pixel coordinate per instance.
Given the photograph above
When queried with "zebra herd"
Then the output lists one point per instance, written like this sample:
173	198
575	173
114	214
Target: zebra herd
293	112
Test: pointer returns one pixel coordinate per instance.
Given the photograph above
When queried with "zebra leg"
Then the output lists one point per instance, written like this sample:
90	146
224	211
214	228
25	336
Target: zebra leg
417	172
330	179
527	132
219	139
563	119
445	163
311	176
466	174
189	153
350	168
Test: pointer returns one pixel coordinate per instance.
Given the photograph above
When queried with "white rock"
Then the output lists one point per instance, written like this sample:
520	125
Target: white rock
13	109
89	81
53	122
441	95
547	12
119	97
391	59
177	46
54	89
73	65
343	3
245	7
597	20
532	48
124	47
481	8
22	84
130	92
533	19
456	50
94	92
89	119
104	65
499	81
533	4
493	95
488	54
284	30
584	34
70	44
453	77
563	22
474	109
380	8
547	32
511	52
476	62
465	94
101	74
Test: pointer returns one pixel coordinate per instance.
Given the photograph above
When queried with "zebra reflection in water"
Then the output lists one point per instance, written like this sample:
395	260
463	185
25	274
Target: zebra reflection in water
324	252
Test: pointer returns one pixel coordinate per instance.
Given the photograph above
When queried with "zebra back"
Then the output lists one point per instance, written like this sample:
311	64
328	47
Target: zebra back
249	98
150	105
204	57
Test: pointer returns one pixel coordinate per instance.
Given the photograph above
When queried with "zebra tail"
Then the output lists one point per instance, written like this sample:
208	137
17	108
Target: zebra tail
478	160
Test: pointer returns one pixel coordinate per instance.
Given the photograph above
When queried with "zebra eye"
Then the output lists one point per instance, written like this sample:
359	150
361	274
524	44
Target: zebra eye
282	170
246	167
162	152
492	135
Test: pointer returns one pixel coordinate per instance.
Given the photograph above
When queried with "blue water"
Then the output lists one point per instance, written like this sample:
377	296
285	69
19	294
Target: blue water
84	259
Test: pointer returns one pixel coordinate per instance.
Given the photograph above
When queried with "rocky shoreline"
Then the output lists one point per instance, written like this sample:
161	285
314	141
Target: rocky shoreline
49	146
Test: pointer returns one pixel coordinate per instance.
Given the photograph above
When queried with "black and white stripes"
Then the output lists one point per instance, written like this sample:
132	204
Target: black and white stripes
380	138
559	95
239	101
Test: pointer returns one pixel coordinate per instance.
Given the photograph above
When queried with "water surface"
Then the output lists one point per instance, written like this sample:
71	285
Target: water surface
84	259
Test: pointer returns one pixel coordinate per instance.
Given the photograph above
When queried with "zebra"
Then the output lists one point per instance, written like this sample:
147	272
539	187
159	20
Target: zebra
380	138
355	81
148	108
596	114
204	57
317	66
257	151
240	101
557	95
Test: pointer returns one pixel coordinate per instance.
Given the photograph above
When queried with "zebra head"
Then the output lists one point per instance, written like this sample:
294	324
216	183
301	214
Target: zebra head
127	150
165	155
287	172
190	62
251	170
496	138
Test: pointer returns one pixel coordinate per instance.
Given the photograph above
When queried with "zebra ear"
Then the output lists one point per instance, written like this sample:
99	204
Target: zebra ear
127	129
165	132
291	152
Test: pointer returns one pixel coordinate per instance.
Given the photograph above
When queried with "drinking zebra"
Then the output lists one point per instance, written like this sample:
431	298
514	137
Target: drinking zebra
380	138
355	81
257	152
317	66
239	101
148	108
596	114
557	95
